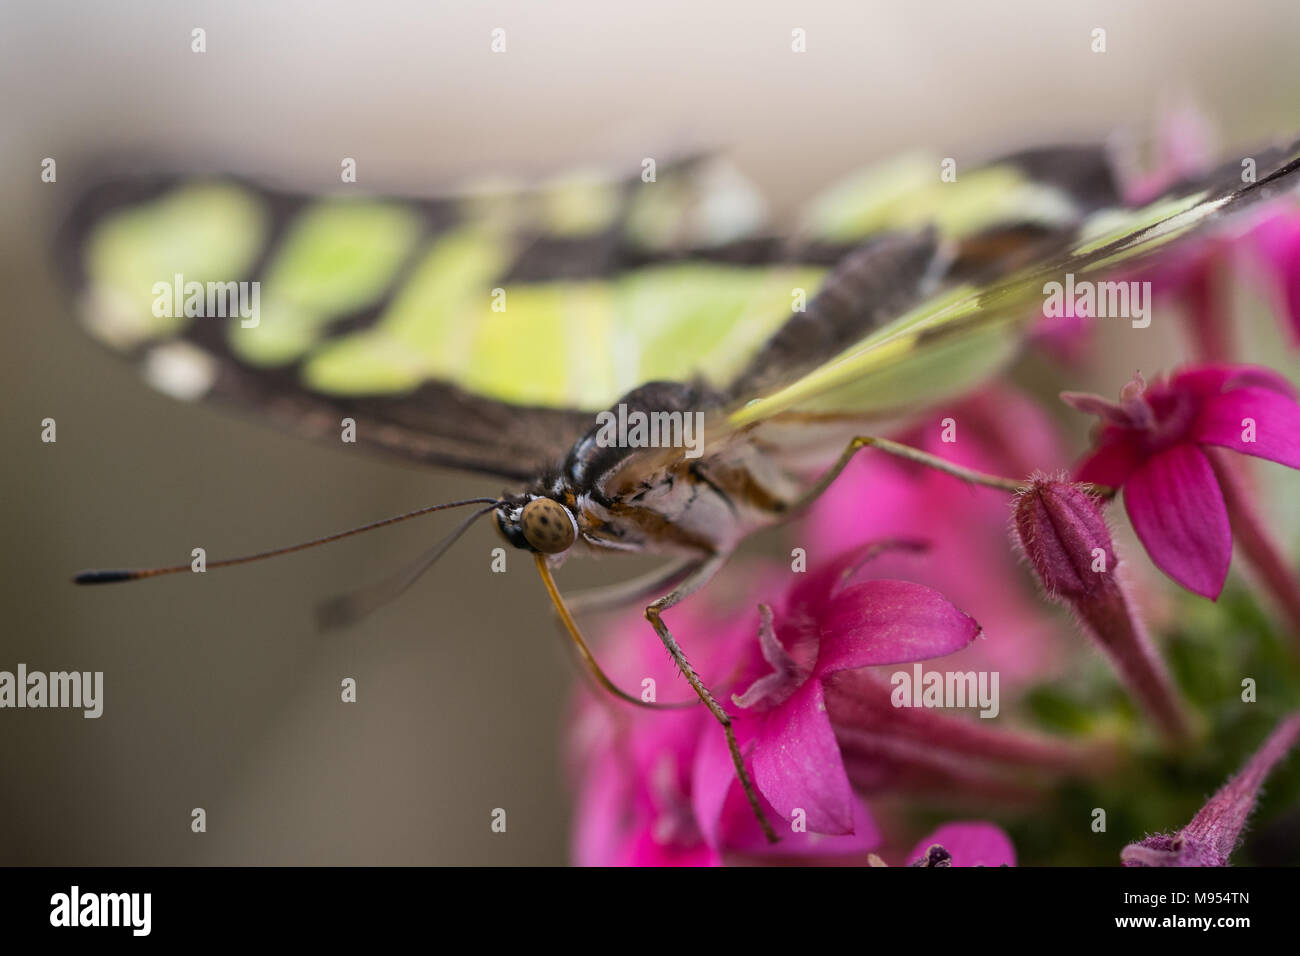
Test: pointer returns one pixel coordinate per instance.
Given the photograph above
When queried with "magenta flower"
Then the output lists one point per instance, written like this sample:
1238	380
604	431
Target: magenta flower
816	722
1153	444
660	788
828	625
643	776
1277	240
1212	835
878	497
964	844
634	808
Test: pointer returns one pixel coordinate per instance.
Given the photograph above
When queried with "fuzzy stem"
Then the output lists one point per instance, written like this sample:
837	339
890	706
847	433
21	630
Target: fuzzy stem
1204	296
1219	824
1109	617
861	701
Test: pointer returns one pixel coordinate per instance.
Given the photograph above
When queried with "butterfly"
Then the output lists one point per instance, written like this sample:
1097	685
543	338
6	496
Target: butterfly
650	365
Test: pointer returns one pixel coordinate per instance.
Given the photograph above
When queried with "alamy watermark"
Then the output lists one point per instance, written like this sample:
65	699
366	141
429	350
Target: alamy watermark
37	689
1099	300
211	300
75	908
621	428
958	689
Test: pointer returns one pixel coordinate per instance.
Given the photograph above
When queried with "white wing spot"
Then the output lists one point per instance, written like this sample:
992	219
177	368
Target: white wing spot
180	370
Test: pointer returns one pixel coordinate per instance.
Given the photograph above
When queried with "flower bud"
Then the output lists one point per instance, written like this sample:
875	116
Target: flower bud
1063	534
1065	537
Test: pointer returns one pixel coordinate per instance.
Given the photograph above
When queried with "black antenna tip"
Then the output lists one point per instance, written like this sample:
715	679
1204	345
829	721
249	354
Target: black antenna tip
102	577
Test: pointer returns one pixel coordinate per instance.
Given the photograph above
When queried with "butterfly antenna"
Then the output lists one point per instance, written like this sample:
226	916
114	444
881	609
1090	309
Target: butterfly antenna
135	574
347	609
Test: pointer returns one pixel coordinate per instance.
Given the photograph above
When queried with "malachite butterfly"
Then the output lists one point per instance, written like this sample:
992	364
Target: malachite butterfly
489	330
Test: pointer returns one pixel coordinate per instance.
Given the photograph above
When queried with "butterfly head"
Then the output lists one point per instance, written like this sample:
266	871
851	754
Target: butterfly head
537	523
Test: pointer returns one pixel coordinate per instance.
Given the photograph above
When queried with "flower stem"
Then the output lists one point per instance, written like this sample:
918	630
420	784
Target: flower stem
1204	295
1121	634
1252	535
860	702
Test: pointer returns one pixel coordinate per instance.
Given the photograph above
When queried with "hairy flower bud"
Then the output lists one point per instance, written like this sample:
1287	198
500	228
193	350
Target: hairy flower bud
1065	537
1063	534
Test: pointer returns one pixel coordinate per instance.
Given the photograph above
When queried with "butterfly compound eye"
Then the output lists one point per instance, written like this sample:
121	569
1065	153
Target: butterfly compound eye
547	526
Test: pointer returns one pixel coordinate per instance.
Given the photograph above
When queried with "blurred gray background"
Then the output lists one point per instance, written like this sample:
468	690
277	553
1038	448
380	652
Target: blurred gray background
219	693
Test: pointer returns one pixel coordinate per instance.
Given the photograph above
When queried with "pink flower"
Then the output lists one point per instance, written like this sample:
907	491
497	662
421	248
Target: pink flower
1000	431
1153	444
1277	239
660	788
826	625
647	779
1212	835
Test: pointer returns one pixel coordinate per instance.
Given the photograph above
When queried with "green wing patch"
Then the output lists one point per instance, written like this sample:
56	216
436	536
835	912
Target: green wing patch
908	193
212	230
371	297
339	256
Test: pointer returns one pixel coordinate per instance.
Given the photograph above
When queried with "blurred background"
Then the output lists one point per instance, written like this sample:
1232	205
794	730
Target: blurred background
219	693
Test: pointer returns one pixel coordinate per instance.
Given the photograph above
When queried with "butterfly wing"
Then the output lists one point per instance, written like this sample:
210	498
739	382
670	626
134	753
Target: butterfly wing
952	337
478	331
481	331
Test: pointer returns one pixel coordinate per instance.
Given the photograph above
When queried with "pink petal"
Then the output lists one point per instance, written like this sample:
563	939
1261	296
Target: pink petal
797	763
865	837
1208	380
1276	418
812	590
713	775
1111	464
889	622
971	844
644	850
1178	512
598	837
741	833
1278	238
728	822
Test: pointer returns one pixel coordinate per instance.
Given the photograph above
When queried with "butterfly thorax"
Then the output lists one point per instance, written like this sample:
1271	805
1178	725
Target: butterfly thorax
645	478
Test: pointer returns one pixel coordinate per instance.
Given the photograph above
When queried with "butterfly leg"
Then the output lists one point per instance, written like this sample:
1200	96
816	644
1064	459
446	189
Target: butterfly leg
906	452
696	580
